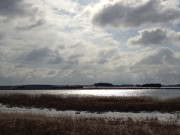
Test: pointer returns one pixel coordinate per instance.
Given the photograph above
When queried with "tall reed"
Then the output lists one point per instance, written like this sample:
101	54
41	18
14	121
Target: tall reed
126	104
30	124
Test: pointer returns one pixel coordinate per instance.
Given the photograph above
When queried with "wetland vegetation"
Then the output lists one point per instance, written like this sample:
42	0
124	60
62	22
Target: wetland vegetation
91	103
30	124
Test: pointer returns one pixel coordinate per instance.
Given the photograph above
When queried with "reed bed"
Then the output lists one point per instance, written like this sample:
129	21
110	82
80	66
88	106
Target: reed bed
93	104
31	124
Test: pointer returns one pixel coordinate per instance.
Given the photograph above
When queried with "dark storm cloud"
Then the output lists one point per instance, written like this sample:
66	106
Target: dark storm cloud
44	55
125	16
155	36
15	8
38	54
150	37
159	57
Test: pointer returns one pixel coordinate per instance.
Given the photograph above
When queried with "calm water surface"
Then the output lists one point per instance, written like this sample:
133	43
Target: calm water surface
157	93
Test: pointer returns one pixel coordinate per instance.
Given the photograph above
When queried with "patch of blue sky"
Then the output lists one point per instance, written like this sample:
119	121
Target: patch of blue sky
175	48
122	37
86	2
63	12
177	27
67	28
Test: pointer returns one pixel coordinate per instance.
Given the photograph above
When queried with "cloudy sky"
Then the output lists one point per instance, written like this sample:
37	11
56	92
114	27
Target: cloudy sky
87	41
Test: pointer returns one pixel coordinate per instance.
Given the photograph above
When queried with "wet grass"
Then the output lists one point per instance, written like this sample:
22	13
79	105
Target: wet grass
93	104
29	124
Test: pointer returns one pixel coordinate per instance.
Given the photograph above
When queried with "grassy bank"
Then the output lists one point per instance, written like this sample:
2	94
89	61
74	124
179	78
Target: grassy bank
28	124
125	104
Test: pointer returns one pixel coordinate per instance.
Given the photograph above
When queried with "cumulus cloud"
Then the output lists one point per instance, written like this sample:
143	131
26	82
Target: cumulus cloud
135	15
161	56
38	54
106	55
167	74
16	8
54	42
20	74
43	55
20	15
56	60
155	36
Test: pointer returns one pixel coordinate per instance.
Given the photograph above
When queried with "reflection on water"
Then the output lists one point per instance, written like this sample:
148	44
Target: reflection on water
111	92
159	93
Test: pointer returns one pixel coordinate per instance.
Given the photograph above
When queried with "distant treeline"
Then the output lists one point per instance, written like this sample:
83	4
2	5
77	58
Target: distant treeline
103	84
149	85
127	85
39	87
111	85
152	85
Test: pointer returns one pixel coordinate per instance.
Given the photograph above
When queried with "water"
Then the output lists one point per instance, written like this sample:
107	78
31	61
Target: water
156	93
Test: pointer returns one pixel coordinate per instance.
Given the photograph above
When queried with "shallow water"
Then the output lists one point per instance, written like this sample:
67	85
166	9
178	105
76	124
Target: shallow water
156	93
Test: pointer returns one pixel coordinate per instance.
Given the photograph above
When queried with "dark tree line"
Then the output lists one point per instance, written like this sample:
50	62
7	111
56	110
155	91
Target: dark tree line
151	85
103	84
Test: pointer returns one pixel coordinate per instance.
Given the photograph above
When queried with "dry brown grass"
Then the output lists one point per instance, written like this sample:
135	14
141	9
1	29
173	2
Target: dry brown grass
29	124
93	104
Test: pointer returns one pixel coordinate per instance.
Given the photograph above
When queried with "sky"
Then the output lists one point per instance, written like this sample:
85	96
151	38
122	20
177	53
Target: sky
69	42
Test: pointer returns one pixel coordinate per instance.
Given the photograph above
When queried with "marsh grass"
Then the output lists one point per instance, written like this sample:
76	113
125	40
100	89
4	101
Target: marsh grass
93	104
31	124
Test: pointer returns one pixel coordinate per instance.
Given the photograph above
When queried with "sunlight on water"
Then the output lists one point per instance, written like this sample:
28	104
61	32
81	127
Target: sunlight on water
157	93
106	92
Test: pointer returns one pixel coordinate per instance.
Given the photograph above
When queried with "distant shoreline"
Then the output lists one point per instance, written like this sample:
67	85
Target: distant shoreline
97	86
91	88
120	88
